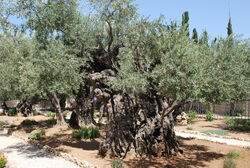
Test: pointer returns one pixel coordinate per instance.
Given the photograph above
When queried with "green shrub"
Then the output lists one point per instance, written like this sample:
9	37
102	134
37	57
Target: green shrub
28	122
237	124
216	132
12	112
66	112
248	123
229	163
51	122
3	123
49	114
86	133
233	155
209	116
192	115
189	128
118	163
236	112
36	135
3	161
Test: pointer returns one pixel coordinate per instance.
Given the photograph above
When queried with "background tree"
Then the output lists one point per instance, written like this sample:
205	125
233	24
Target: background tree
229	28
195	37
185	22
204	38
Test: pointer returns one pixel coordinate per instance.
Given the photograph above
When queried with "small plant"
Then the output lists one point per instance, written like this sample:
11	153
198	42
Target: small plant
192	115
189	128
66	112
51	122
3	123
237	112
3	161
12	112
216	132
118	163
233	155
49	114
28	122
86	133
209	116
229	163
36	135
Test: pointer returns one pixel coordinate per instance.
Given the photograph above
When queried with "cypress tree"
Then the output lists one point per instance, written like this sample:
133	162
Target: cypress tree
229	28
185	22
195	36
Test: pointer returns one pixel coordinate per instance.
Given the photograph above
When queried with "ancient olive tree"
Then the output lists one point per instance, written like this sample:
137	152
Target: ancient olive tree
159	71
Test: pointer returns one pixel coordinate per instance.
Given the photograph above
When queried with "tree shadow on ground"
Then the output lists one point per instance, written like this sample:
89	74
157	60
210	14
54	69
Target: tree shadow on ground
27	150
193	156
58	140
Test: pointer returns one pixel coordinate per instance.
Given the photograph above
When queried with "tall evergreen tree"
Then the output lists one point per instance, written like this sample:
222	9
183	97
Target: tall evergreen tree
195	36
229	28
185	22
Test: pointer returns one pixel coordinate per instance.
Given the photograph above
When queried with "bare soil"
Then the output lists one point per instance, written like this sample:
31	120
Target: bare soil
202	125
197	153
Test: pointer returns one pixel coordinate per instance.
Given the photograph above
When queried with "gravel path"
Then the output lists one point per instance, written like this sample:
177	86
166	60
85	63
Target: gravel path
22	155
215	139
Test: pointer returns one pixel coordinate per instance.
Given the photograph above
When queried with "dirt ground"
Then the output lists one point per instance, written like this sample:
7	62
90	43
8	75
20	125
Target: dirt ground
202	125
197	153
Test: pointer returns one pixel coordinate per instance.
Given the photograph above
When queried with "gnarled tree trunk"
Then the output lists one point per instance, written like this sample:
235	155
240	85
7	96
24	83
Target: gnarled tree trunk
137	125
56	103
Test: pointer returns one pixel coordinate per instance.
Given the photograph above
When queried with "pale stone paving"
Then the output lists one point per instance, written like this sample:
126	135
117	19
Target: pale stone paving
22	155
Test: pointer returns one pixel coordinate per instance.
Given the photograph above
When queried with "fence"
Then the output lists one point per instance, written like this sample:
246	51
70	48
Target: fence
236	110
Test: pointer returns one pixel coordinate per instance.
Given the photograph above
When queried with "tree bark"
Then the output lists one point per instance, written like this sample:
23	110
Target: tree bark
138	125
5	108
56	103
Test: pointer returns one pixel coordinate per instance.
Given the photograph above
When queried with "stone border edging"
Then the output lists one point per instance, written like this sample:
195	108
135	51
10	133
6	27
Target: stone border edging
212	135
55	152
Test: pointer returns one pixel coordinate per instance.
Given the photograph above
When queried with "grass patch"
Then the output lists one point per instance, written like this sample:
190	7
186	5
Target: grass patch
28	122
118	163
86	133
36	135
2	123
49	114
216	132
189	128
229	163
233	155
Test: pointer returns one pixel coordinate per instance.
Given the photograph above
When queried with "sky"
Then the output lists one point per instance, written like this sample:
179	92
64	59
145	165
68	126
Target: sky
209	15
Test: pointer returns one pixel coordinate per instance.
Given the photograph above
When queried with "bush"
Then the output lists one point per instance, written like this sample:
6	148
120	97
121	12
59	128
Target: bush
229	163
65	113
233	155
192	115
49	114
118	163
28	122
236	112
36	135
51	122
86	133
12	112
3	161
237	124
189	128
209	116
3	123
